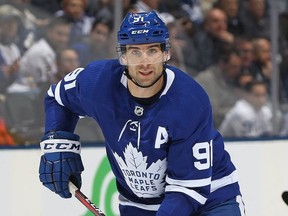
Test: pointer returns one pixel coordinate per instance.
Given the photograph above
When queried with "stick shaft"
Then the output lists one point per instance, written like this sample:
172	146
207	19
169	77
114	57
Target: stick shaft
84	200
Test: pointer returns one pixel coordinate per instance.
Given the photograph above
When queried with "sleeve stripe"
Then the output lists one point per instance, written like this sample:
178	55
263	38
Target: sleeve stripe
189	183
57	93
50	92
170	79
226	180
198	197
124	201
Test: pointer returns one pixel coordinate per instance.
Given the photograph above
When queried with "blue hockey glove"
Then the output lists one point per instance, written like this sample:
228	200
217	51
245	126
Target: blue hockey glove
61	162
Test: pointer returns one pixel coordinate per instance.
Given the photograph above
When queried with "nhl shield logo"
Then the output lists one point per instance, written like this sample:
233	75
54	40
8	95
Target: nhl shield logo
138	110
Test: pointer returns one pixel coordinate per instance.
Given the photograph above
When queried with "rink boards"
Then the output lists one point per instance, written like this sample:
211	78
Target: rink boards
262	168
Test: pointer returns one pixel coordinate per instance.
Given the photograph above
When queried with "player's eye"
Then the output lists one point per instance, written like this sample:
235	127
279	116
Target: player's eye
135	52
152	51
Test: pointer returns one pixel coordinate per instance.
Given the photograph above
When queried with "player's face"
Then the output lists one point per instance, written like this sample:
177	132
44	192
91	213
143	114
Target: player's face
145	62
143	54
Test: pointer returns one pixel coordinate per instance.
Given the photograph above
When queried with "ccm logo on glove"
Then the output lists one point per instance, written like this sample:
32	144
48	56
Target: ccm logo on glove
60	145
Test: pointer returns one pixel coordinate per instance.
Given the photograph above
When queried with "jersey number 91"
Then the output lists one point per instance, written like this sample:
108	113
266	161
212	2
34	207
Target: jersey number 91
203	152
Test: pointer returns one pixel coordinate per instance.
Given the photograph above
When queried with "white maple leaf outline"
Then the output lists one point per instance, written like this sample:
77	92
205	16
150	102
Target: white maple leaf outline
131	156
132	160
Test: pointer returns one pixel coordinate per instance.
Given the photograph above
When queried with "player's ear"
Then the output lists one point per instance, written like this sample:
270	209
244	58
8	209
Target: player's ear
167	55
123	60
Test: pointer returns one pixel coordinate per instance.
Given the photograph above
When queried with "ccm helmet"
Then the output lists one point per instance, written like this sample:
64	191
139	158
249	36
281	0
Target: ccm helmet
143	28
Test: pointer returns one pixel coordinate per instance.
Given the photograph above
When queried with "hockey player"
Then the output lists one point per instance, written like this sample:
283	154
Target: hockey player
157	122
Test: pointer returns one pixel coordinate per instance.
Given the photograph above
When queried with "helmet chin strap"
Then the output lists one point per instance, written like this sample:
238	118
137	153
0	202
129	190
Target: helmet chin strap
126	73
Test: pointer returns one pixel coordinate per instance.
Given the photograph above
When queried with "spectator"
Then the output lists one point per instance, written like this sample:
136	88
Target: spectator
105	9
255	19
207	5
261	67
173	7
5	136
152	5
283	44
185	34
193	8
97	45
8	74
147	5
48	6
251	116
38	64
234	22
9	51
68	60
9	25
9	55
74	12
177	45
33	22
210	42
37	67
128	6
244	79
221	83
246	50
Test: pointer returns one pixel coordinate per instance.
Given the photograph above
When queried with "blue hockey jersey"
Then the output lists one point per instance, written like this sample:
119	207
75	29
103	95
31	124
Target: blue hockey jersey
166	156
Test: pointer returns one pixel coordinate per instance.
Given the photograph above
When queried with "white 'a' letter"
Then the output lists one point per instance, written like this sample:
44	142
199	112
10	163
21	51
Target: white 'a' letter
161	138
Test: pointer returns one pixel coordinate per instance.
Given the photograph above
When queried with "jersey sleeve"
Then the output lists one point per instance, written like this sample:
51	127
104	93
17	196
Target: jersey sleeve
63	105
190	162
81	93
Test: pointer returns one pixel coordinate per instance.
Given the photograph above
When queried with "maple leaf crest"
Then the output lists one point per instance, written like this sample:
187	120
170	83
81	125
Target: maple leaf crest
142	180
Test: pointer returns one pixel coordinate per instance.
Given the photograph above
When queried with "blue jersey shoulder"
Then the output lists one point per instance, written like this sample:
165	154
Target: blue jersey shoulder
190	90
97	81
100	72
189	104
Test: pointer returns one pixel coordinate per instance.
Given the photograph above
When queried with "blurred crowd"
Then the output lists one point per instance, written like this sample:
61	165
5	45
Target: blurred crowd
225	45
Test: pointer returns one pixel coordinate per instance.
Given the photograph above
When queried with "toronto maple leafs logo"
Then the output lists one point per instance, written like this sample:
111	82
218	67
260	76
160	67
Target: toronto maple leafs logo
143	181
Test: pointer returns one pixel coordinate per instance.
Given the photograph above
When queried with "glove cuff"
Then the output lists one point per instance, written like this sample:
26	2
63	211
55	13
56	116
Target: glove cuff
60	145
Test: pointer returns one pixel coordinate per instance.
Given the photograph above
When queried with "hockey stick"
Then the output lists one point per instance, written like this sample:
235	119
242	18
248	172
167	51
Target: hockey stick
285	197
84	200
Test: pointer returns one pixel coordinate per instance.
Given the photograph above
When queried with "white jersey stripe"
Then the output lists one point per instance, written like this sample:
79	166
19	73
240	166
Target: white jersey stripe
226	180
50	92
241	205
170	79
189	183
124	80
124	201
57	94
198	197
